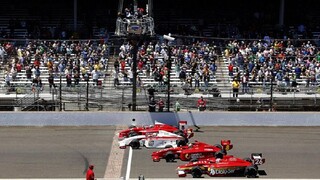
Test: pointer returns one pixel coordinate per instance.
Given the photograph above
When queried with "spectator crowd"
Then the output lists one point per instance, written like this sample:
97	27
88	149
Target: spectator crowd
74	60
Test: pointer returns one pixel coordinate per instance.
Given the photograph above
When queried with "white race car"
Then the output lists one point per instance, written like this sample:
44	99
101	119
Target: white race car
160	140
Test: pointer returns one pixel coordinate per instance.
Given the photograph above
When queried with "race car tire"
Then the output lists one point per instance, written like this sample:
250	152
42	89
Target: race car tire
135	144
181	143
132	133
169	157
168	146
251	172
219	154
196	172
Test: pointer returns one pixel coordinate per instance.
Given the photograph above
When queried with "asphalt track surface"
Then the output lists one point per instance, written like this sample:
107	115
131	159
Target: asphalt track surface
65	152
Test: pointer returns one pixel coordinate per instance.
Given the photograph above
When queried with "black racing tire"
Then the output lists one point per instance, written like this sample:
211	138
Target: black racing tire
135	144
168	146
196	172
169	157
251	172
132	133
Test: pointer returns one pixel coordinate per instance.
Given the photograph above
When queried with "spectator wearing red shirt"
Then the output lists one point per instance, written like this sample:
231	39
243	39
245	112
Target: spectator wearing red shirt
230	68
19	67
201	104
90	173
36	62
123	65
140	65
160	105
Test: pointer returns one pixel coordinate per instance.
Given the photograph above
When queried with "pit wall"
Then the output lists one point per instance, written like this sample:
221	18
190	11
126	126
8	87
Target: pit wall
145	118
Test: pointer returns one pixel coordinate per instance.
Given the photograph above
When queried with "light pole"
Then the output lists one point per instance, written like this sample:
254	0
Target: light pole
170	39
86	78
271	92
134	52
60	96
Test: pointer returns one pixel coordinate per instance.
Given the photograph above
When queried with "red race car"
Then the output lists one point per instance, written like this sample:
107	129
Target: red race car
181	130
228	165
192	151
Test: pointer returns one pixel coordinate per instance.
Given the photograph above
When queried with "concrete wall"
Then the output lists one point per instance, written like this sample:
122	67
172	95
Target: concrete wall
145	118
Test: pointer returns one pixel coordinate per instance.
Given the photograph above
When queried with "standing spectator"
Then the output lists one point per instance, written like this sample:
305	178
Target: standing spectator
76	77
8	80
36	62
177	106
123	65
201	104
14	72
140	66
29	72
90	173
51	81
152	105
37	84
308	77
116	65
245	80
183	76
69	80
196	80
189	80
213	68
160	105
139	84
95	76
235	87
230	68
151	91
115	74
18	67
37	71
206	79
287	80
297	71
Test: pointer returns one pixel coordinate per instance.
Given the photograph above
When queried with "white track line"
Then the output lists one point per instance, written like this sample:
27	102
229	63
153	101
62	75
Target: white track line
129	164
114	165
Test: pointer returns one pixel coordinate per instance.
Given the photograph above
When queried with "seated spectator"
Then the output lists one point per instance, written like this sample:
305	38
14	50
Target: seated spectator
201	104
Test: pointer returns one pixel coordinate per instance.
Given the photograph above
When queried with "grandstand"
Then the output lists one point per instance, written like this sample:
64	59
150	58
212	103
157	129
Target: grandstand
22	23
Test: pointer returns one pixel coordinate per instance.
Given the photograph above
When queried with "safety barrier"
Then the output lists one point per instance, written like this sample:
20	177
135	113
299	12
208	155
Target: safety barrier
145	118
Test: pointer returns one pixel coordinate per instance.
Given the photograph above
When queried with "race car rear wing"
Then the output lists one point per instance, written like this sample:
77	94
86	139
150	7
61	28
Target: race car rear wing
257	158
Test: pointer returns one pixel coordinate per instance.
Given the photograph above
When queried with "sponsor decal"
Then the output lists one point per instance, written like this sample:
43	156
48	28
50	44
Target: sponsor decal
220	171
187	156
